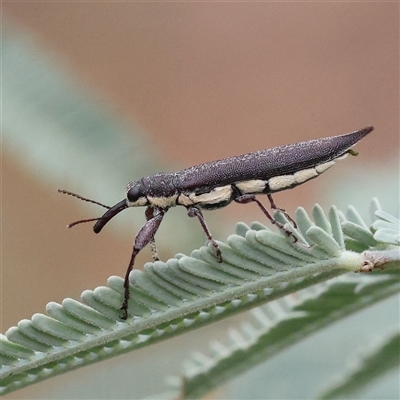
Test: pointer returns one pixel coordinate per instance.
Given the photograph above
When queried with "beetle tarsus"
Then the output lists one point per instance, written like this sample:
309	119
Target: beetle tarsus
124	306
124	309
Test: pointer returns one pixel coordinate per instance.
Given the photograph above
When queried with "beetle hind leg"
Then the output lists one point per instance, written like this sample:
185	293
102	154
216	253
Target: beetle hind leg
282	210
248	198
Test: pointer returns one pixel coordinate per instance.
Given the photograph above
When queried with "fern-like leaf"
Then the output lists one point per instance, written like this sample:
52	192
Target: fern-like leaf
173	297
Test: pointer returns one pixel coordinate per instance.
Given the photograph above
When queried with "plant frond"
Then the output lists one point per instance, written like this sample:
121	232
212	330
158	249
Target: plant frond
182	294
280	324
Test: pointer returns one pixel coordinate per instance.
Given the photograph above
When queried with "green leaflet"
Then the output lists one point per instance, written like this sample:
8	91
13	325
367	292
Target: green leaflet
179	295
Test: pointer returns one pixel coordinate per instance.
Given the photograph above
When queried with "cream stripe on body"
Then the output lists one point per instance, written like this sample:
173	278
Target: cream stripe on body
224	193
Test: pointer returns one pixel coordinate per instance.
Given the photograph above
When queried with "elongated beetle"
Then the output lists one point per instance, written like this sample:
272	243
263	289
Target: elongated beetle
215	184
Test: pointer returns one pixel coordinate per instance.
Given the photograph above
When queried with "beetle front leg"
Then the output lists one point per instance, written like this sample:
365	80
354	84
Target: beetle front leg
143	238
195	212
248	198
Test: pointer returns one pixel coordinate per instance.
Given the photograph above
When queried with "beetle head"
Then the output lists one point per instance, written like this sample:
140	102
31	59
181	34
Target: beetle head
135	194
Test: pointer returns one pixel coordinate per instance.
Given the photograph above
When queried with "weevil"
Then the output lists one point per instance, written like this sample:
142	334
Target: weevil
215	184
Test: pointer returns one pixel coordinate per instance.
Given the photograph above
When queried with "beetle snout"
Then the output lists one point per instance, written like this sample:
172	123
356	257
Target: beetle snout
112	212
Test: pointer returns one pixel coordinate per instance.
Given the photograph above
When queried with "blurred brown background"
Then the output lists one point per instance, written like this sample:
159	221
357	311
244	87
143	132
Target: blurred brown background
204	81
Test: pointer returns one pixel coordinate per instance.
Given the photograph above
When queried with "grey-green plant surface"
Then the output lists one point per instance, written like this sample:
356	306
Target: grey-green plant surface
286	321
373	364
188	292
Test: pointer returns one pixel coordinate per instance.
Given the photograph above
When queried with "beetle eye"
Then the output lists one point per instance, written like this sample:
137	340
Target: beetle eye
134	193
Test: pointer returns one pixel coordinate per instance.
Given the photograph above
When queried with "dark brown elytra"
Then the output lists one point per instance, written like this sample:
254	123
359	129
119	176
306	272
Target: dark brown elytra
215	184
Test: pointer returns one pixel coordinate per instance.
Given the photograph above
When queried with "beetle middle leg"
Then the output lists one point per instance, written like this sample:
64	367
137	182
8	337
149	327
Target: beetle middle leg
195	212
248	198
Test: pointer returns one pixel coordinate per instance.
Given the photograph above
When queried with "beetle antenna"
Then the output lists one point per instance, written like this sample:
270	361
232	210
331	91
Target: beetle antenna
81	221
84	199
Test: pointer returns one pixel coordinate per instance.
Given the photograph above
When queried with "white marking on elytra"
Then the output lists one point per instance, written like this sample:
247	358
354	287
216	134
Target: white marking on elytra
282	182
304	175
215	196
323	167
254	186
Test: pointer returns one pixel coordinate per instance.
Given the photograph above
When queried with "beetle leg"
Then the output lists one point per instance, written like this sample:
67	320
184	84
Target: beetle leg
142	239
248	198
149	213
195	212
275	207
